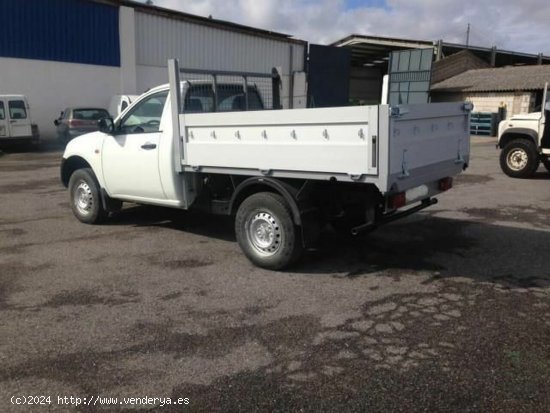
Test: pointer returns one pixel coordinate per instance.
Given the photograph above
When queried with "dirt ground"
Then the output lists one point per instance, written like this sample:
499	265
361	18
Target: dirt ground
448	310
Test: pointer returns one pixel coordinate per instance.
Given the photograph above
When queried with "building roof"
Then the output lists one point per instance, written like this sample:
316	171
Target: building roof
502	79
455	64
374	50
207	21
370	50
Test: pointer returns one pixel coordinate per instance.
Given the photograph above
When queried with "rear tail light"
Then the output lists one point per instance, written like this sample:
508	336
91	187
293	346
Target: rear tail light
445	184
398	200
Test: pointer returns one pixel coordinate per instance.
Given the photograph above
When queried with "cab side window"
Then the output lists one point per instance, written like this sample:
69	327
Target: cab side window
145	117
17	109
199	99
2	112
231	97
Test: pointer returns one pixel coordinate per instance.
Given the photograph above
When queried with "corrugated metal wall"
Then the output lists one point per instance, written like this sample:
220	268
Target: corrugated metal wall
74	31
202	47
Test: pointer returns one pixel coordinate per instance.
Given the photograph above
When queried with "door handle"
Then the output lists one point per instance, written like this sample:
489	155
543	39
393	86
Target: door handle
13	121
149	146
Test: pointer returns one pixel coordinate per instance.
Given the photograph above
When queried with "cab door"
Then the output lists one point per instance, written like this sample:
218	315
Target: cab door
4	128
19	121
130	156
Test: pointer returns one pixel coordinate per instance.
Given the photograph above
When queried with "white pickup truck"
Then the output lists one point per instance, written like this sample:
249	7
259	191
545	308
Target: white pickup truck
283	174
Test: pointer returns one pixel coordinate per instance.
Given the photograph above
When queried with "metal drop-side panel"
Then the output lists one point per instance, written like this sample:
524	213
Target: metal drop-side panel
336	141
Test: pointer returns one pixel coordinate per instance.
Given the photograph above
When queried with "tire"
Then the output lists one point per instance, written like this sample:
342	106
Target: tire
519	159
85	197
546	163
266	232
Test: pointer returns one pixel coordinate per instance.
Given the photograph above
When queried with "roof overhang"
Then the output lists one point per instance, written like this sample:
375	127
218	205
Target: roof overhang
374	51
370	50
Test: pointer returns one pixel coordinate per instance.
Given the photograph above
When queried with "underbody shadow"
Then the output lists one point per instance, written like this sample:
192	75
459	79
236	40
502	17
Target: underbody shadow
516	257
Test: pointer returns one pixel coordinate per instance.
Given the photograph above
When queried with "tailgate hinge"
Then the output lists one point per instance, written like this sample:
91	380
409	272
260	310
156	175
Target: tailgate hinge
459	158
404	169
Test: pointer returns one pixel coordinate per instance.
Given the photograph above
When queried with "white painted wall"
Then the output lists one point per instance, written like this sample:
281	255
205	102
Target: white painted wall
127	30
515	102
150	76
52	86
198	46
519	102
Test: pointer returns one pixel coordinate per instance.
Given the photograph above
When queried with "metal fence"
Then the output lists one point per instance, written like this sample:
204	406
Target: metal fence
223	91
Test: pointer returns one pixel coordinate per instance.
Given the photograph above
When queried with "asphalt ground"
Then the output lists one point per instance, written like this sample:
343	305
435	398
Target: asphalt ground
447	310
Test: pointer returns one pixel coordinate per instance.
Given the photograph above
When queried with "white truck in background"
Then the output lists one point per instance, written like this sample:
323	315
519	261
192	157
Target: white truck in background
524	141
283	174
119	103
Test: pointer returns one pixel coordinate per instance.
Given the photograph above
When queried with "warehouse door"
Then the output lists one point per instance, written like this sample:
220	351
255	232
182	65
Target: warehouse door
328	76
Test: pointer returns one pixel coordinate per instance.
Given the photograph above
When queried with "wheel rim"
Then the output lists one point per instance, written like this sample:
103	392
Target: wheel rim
517	159
264	233
83	198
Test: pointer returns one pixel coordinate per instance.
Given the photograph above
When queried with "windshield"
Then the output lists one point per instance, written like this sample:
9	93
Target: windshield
90	114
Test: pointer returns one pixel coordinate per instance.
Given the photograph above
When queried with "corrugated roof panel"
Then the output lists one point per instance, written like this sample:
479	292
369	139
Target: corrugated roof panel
75	31
203	47
497	79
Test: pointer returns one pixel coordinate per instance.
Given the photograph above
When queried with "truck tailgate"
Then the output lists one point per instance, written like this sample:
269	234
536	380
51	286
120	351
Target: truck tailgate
427	142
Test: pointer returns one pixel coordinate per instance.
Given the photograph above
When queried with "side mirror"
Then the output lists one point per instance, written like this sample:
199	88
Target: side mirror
106	125
56	122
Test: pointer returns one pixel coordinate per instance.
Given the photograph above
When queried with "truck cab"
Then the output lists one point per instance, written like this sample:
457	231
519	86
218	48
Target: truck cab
135	151
523	142
15	120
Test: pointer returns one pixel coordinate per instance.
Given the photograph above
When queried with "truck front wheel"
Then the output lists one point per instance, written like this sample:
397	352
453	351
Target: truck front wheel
266	232
519	159
85	198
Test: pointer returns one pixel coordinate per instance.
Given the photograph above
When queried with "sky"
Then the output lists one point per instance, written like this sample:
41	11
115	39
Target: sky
517	25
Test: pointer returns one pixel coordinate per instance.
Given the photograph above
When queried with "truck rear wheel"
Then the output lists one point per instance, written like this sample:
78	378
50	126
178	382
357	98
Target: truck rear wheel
519	159
85	197
266	232
546	163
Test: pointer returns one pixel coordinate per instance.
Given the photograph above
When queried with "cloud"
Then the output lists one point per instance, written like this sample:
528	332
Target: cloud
509	24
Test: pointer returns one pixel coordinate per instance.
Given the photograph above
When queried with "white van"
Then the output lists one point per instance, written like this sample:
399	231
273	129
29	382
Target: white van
15	120
119	103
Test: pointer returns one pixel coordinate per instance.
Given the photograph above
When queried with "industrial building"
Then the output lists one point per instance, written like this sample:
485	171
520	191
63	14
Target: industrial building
63	53
370	55
519	89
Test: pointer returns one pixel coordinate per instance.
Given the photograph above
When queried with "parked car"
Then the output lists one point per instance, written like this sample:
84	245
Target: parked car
15	120
74	122
119	103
